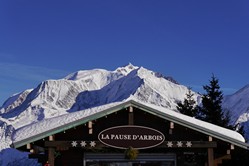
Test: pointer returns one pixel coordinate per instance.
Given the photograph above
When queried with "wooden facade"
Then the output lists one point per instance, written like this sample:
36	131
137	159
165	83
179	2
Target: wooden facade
79	144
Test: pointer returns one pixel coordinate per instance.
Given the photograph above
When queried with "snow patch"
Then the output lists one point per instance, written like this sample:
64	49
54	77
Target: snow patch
13	157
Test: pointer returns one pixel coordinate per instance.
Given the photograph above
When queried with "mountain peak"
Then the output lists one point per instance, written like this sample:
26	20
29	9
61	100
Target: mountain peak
126	69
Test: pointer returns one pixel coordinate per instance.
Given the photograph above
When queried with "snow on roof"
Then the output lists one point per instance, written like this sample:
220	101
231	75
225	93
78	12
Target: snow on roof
51	126
45	125
198	123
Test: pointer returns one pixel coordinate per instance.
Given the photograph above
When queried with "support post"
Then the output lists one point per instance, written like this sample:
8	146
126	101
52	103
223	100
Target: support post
131	117
210	157
51	152
51	156
210	153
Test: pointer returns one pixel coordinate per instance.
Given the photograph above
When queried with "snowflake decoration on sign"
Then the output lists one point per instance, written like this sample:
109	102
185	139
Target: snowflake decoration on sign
170	144
179	143
188	144
83	143
92	143
74	144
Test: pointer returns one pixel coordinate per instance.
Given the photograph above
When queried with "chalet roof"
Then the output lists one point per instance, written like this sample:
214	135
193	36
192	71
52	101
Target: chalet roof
47	127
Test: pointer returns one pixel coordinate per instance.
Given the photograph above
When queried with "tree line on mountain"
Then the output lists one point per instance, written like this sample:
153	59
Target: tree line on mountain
210	110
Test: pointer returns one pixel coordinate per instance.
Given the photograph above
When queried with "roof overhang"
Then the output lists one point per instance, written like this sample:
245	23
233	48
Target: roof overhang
155	110
193	126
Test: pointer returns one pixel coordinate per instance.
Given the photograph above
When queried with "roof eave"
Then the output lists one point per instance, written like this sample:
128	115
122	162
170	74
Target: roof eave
65	127
125	105
190	125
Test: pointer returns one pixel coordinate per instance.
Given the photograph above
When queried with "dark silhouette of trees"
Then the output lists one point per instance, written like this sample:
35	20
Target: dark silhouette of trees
188	106
211	108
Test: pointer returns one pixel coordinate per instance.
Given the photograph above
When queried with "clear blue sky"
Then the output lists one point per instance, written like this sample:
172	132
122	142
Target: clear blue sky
186	39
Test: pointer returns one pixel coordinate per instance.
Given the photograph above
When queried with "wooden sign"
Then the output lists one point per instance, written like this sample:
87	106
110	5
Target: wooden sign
138	137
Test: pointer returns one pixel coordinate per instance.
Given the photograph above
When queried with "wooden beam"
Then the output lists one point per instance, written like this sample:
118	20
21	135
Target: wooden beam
90	131
219	160
171	125
90	124
170	131
51	138
165	144
28	146
191	144
130	109
57	143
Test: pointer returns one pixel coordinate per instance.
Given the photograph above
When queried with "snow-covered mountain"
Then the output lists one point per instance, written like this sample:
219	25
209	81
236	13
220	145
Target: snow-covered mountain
238	106
90	88
55	97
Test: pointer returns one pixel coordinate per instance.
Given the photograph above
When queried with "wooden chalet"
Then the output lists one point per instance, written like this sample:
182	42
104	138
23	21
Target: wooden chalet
129	133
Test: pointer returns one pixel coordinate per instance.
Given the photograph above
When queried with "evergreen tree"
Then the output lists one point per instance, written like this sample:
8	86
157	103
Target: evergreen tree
211	109
188	106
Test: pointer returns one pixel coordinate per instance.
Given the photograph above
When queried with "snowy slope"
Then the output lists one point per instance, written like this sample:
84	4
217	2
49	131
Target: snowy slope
238	106
141	83
52	98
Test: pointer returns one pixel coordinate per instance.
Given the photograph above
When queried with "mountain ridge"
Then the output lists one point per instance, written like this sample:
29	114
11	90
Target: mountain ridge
56	97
